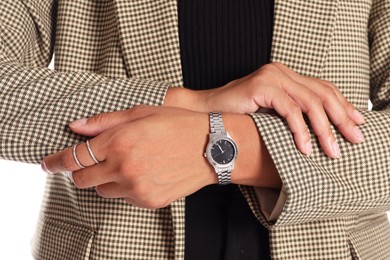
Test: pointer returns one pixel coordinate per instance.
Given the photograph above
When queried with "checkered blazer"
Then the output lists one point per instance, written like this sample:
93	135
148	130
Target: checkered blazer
114	54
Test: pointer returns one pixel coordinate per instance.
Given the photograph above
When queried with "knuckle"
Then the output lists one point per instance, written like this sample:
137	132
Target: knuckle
120	144
261	75
277	64
258	76
293	109
100	119
329	84
268	68
328	96
344	122
78	180
147	198
325	132
155	203
139	110
124	170
314	100
150	204
311	103
329	92
140	191
116	146
99	190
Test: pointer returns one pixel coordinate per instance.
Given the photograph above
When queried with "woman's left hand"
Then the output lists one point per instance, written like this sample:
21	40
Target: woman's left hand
151	157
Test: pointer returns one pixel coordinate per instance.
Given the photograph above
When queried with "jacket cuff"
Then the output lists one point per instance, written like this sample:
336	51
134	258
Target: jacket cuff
271	202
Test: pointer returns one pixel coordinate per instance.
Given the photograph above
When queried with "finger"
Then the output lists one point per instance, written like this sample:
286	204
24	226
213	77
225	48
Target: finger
353	113
327	89
317	113
64	161
339	116
95	175
111	190
316	84
335	110
312	106
306	101
290	110
114	190
97	124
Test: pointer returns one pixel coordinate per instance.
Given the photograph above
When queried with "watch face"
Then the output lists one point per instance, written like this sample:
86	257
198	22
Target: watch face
222	151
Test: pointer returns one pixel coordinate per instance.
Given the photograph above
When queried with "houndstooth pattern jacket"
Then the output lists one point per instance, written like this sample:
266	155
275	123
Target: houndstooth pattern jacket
114	54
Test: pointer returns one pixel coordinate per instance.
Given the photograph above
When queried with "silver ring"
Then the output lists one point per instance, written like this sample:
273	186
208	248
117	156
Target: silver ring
91	153
75	157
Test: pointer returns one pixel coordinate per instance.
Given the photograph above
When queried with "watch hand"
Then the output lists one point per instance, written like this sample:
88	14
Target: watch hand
215	155
220	148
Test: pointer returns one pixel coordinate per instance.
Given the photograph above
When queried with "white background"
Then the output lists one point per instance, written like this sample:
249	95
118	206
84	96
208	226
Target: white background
21	192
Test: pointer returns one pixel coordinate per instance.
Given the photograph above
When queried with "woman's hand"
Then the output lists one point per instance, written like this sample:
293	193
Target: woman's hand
275	86
150	156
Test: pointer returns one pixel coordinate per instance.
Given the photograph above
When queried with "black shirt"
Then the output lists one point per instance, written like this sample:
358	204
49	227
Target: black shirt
223	40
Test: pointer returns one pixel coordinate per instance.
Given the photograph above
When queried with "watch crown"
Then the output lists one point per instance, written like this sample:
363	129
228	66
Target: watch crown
205	155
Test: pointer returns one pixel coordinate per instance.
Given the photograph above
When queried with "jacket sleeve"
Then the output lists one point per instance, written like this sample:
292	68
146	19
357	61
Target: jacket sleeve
316	187
36	103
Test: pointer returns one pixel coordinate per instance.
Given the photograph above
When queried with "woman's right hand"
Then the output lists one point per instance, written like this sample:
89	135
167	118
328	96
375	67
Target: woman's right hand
275	86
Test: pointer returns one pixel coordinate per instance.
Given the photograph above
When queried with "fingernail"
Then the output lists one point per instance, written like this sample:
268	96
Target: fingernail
44	168
308	148
79	123
336	150
359	116
358	134
70	176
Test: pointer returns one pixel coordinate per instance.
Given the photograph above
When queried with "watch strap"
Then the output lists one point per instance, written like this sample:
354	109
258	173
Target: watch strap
217	128
216	123
224	177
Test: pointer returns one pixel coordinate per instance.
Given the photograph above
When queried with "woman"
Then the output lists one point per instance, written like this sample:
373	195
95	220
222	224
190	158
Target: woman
113	55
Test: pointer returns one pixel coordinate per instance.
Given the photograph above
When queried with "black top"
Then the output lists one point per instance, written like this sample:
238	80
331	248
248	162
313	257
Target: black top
223	40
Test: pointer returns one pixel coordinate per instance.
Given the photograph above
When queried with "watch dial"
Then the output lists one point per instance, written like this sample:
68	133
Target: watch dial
222	151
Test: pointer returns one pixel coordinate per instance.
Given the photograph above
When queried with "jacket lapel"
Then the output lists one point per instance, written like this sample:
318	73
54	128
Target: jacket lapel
150	39
302	34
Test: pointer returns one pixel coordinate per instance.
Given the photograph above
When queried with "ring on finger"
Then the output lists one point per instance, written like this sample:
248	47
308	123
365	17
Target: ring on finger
91	153
76	159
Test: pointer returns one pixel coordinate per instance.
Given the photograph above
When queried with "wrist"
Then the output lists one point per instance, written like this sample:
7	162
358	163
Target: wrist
254	165
186	98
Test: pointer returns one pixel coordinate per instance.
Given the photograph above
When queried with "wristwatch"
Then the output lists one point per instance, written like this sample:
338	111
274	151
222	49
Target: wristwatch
221	151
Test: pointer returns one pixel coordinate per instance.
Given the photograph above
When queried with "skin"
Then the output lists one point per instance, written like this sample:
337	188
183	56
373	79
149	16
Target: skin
172	165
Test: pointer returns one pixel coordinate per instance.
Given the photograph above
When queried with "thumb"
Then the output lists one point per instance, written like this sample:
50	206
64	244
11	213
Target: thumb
97	124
